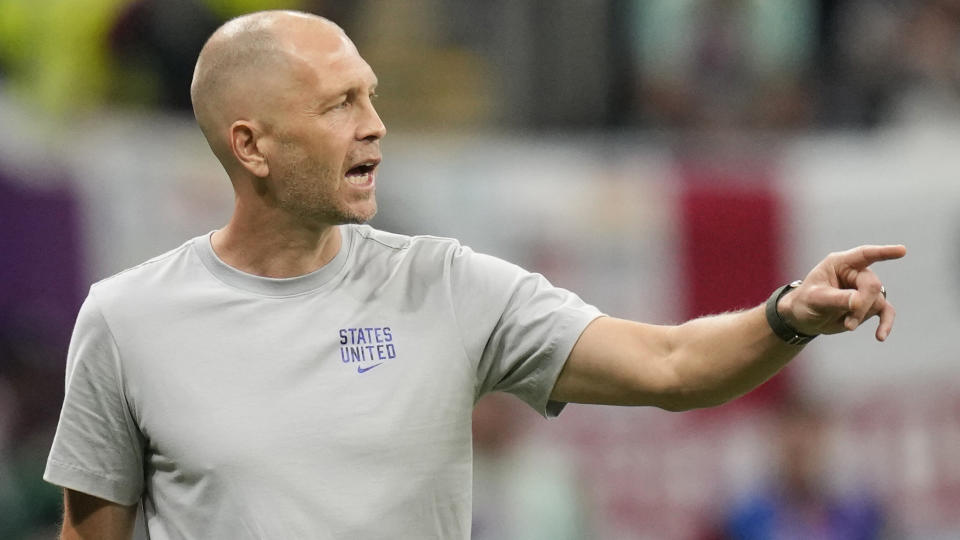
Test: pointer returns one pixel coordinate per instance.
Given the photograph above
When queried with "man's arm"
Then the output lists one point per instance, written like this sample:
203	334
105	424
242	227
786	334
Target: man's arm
89	517
708	361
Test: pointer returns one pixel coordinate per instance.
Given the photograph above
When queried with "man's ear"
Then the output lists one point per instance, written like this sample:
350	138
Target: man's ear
245	145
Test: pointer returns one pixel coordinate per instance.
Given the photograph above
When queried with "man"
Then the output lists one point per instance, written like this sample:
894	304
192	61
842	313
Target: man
299	375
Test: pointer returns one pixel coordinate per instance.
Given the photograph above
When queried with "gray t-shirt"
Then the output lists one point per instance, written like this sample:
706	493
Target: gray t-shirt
331	405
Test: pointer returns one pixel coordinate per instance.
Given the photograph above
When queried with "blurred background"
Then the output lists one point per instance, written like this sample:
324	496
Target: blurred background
663	158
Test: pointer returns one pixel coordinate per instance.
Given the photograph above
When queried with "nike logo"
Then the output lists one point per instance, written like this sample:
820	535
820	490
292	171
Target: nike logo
361	369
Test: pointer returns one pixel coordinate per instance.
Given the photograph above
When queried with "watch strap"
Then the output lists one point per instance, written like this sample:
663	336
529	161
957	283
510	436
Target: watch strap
780	327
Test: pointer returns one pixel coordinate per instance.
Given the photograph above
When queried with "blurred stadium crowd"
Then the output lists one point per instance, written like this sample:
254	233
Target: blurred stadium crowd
677	75
597	64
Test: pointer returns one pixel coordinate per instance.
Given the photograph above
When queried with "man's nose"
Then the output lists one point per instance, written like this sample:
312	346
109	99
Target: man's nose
371	127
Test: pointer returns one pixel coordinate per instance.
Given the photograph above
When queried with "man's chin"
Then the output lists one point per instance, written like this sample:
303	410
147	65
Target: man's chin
359	216
356	220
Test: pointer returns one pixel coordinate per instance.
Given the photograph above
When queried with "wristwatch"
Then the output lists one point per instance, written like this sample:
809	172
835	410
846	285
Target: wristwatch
780	327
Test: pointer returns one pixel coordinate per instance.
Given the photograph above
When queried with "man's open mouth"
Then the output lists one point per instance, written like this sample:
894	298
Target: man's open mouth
361	174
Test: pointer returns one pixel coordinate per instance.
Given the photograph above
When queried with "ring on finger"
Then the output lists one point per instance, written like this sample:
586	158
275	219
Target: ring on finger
883	291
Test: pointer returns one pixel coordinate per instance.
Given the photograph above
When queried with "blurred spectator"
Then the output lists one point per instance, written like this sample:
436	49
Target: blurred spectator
857	64
930	45
427	78
724	63
798	503
155	44
521	490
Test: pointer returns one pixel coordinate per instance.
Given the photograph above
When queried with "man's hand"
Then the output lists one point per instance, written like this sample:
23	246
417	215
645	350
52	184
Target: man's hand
841	292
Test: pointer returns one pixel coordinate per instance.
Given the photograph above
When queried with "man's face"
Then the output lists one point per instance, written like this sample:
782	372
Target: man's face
323	146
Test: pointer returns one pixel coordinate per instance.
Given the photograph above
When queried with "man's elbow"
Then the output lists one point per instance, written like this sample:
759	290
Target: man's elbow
691	402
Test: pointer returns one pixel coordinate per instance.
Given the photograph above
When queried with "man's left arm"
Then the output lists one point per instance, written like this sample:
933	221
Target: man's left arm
708	361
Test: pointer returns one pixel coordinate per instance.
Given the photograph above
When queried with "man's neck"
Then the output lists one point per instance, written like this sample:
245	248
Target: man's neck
276	252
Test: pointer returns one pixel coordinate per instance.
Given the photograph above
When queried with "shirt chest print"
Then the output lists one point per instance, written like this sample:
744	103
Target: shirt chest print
367	347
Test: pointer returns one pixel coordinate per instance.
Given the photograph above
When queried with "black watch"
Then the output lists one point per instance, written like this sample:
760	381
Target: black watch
780	327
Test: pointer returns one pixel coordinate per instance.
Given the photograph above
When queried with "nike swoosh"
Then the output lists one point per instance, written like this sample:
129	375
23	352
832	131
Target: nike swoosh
361	369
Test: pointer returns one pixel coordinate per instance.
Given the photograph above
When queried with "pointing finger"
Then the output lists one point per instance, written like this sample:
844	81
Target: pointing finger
863	256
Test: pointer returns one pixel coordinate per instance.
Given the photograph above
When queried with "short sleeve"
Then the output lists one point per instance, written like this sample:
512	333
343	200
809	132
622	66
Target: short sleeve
517	327
97	448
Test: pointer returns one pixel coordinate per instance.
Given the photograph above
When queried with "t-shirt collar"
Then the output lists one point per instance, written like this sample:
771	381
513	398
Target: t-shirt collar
273	286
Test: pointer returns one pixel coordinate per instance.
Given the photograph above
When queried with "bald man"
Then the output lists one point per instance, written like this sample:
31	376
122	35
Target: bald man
298	374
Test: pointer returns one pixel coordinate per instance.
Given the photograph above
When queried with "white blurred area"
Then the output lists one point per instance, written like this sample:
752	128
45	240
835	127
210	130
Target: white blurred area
598	211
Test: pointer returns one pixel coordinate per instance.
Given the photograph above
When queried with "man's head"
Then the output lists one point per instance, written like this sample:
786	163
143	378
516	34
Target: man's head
284	100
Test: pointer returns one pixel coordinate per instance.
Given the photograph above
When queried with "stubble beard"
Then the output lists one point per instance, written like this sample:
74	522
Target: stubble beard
310	192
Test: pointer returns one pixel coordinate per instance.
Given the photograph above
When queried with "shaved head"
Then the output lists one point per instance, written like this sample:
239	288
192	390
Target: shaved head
286	103
244	63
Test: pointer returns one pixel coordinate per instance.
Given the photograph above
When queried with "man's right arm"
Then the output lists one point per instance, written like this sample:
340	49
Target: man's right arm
86	516
708	361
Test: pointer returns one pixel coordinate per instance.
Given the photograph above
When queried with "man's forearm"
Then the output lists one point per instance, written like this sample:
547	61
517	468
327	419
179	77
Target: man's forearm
715	359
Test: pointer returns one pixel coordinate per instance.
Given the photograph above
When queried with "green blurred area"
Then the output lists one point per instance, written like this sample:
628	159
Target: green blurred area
29	507
58	55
